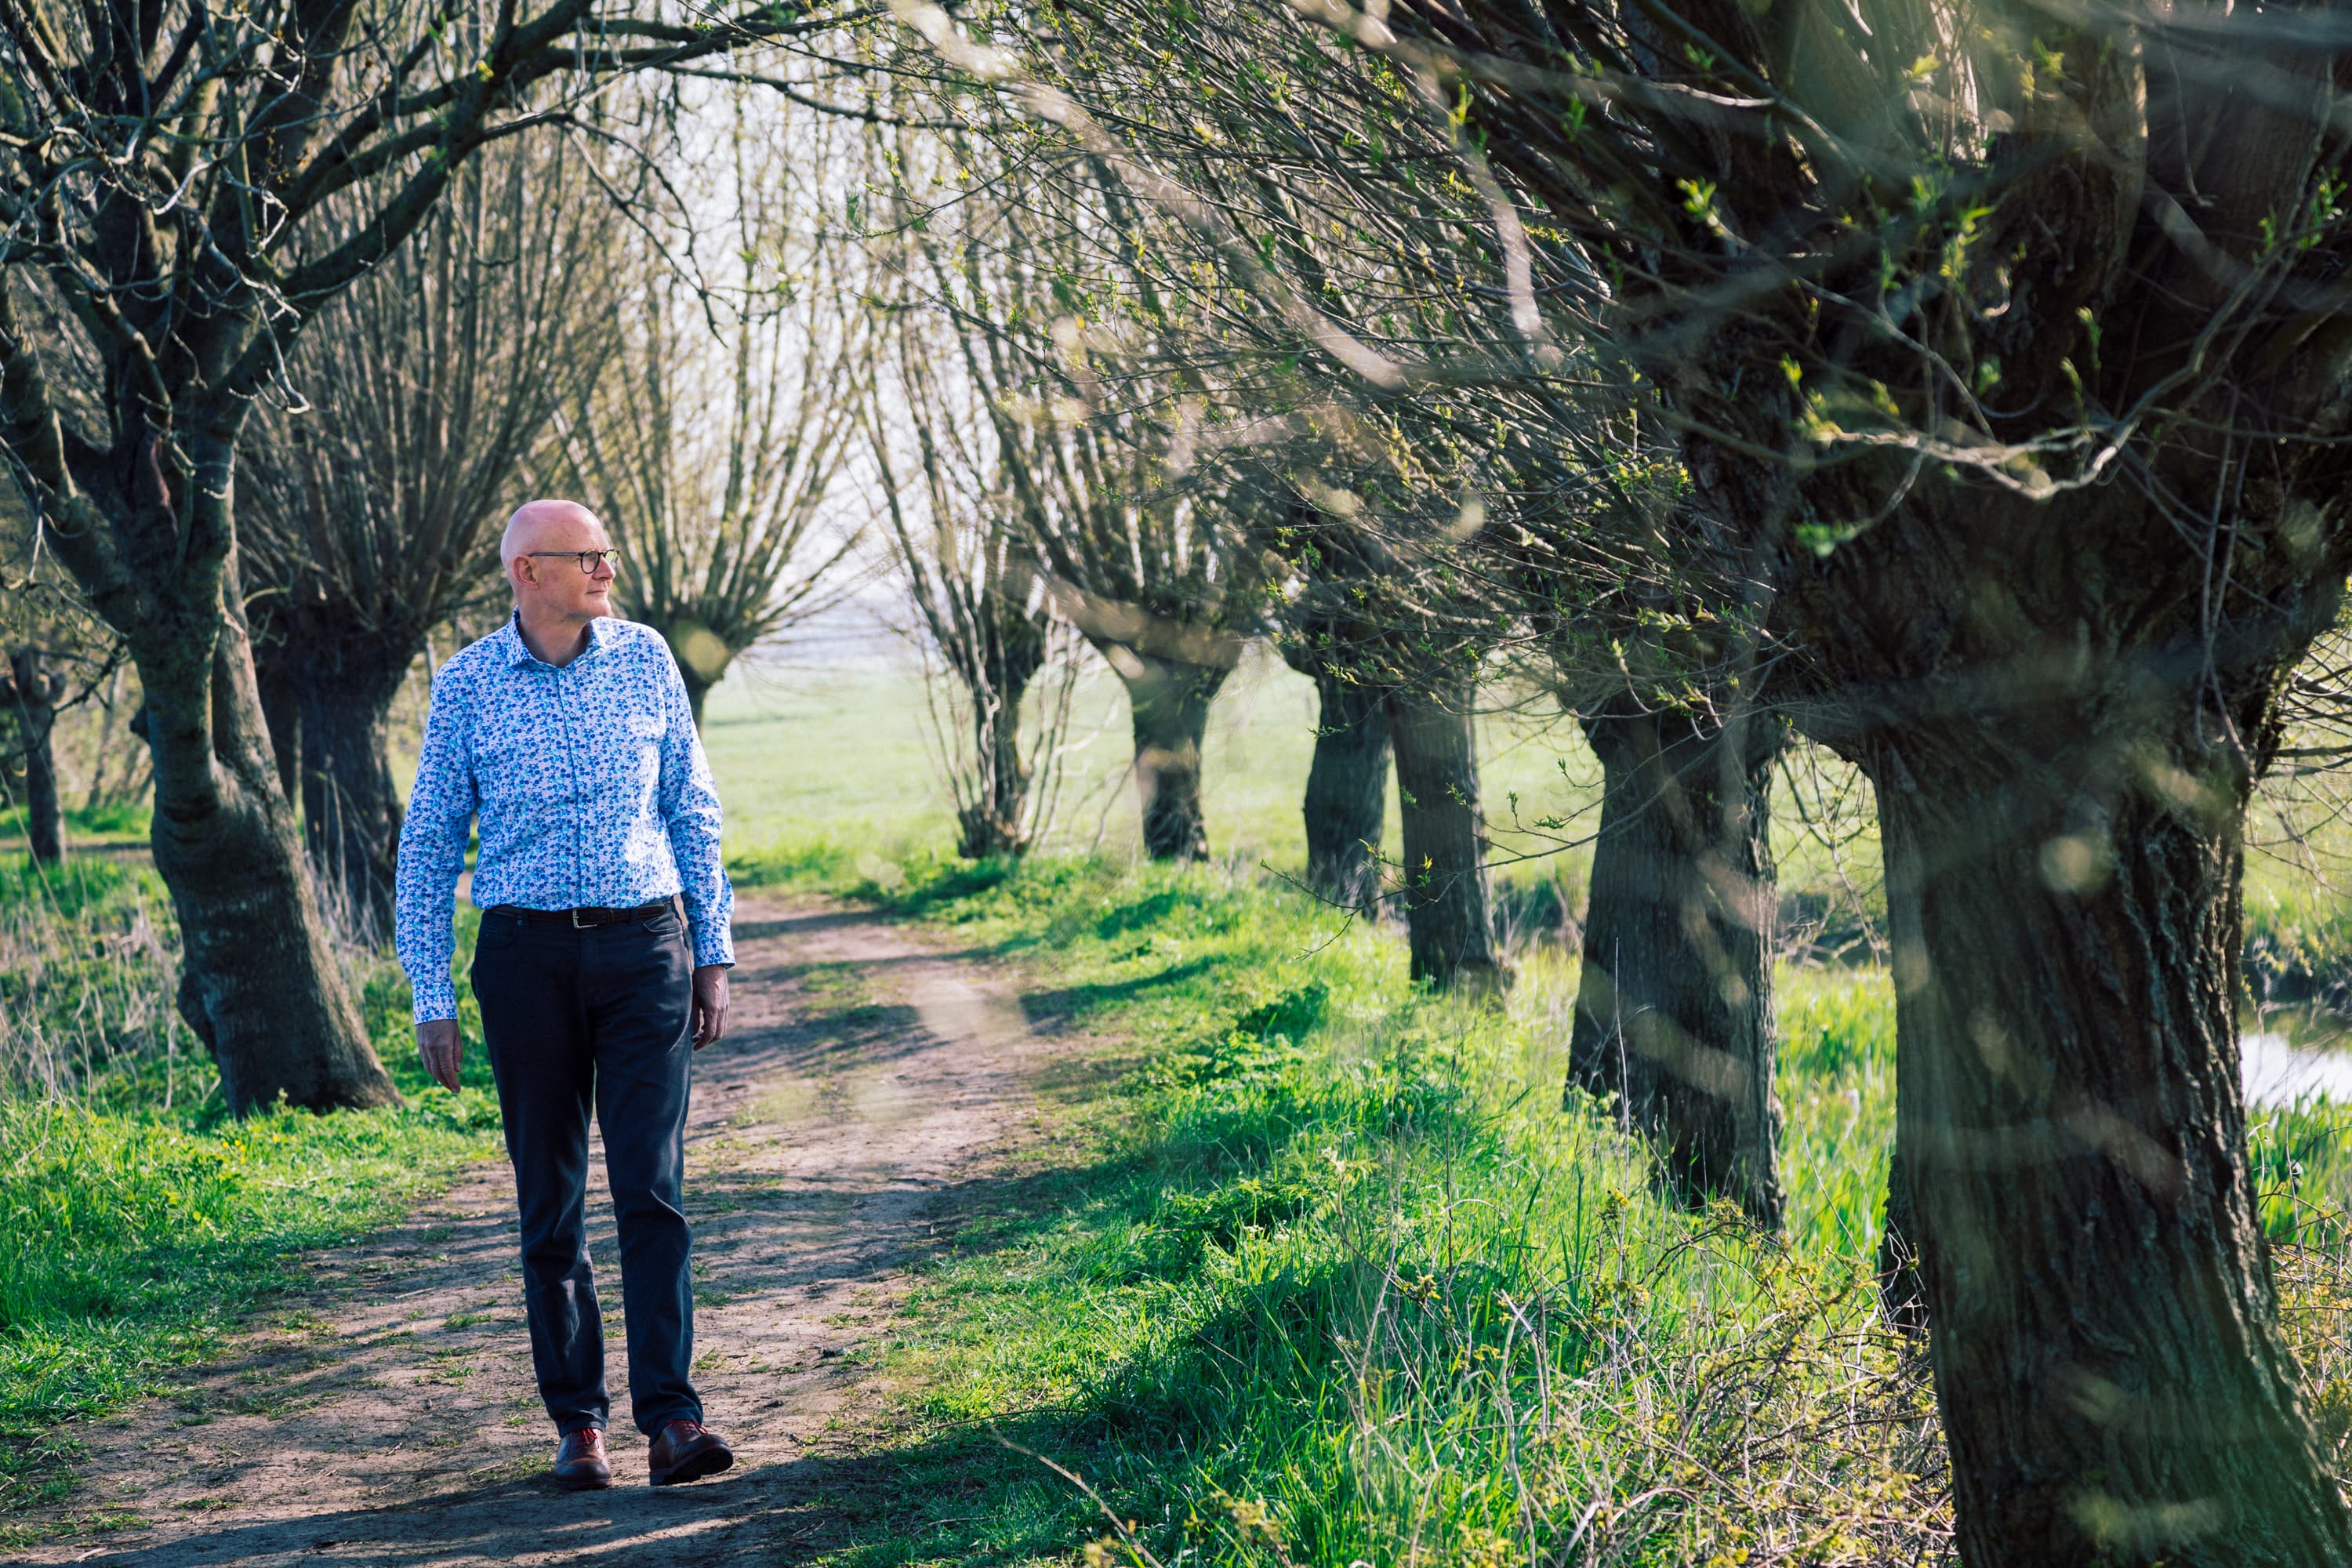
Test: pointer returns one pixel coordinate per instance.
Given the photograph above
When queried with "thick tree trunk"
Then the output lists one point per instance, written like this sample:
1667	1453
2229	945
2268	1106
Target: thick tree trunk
327	688
1347	793
1449	912
996	823
698	692
260	981
350	810
2065	923
36	693
1168	701
1674	1013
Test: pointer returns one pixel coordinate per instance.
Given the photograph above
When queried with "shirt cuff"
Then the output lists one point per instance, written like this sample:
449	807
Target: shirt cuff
713	946
435	1001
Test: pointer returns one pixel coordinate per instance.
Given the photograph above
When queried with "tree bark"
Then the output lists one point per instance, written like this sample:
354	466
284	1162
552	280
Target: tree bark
1674	1013
259	981
994	823
1449	913
35	692
698	692
1347	793
1902	1297
327	687
350	810
2065	918
1168	702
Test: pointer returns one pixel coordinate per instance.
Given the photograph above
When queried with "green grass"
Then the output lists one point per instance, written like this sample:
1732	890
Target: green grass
105	824
139	1224
1315	1268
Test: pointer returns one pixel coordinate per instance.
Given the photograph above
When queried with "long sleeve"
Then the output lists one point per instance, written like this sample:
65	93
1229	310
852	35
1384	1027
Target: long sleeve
690	810
433	853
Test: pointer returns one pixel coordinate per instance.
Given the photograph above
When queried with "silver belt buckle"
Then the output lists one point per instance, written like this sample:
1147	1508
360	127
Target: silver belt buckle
575	920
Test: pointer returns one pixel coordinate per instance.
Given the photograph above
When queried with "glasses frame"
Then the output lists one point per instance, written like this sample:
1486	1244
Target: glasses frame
588	558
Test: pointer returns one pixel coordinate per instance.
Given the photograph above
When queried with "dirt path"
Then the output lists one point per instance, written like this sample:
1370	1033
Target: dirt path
390	1418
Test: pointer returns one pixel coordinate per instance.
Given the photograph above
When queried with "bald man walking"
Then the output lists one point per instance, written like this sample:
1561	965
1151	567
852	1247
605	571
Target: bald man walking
568	736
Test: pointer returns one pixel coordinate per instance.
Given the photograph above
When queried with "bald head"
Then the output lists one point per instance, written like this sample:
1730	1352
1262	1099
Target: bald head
549	525
543	548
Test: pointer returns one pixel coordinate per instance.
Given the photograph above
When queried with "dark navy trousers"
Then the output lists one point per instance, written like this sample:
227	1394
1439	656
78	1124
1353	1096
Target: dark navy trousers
602	1013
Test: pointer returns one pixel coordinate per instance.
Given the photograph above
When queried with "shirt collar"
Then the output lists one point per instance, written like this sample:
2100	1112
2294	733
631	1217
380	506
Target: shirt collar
518	651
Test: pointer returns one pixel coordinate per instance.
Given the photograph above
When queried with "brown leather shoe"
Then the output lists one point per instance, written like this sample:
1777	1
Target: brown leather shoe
687	1451
579	1462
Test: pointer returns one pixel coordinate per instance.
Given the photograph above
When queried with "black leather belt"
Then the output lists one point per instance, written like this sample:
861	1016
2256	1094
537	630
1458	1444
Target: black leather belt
580	920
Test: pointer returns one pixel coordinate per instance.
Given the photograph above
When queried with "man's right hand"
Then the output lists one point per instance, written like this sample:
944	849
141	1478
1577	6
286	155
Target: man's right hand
438	1043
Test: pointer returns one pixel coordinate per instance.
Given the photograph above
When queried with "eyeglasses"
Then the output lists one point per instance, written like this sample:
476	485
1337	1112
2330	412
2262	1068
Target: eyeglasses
589	559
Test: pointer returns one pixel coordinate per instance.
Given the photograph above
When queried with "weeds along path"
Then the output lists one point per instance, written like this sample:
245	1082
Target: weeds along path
390	1418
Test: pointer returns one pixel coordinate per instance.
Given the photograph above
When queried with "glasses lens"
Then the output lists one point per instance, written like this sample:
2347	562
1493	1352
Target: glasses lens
592	559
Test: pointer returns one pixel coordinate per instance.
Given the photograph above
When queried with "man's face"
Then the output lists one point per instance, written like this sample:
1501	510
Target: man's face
554	582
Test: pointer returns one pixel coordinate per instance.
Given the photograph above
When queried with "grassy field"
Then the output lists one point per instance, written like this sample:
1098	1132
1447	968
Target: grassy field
846	751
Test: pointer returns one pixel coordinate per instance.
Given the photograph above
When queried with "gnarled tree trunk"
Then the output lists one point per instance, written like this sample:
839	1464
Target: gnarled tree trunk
1168	701
1674	1013
281	710
350	810
33	692
2064	902
1449	912
996	823
327	688
259	981
1347	793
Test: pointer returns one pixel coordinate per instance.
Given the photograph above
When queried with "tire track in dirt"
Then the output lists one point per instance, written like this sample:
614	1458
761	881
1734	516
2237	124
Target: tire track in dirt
389	1417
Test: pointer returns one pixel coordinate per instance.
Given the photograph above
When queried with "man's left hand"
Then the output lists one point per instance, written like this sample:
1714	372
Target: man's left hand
709	1003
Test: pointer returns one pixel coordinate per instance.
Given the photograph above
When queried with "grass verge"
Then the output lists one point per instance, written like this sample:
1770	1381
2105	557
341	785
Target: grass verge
1322	1270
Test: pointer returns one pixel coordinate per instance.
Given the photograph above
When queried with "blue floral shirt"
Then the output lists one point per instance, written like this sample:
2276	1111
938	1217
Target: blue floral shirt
592	789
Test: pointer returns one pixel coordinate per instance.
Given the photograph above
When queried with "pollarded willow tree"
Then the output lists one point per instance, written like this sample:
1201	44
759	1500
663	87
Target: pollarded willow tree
164	237
1272	180
1142	551
710	433
371	505
1377	624
2046	491
2004	348
979	608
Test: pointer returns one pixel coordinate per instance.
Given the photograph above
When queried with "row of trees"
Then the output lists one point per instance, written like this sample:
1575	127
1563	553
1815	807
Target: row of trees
1960	388
1079	452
